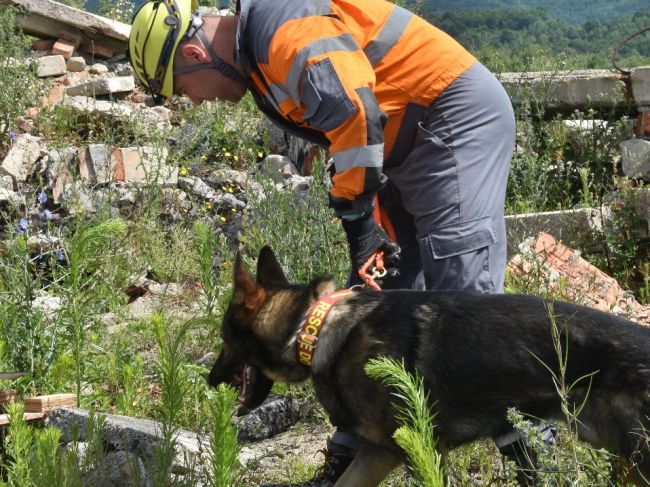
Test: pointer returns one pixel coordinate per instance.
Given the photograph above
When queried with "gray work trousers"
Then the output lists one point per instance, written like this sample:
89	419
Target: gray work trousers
446	199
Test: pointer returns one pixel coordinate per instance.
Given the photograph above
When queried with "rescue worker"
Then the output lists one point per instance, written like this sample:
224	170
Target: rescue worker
420	132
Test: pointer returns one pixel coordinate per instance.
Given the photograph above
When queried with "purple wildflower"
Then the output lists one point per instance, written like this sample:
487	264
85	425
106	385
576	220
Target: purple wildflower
47	214
60	255
42	197
13	135
22	226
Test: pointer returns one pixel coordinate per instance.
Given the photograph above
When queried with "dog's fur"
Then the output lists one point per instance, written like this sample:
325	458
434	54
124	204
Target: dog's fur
478	354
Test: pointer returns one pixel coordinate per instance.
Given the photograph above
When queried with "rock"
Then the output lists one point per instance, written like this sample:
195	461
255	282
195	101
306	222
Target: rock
9	197
95	164
175	205
277	167
278	143
98	68
21	159
635	154
51	66
86	105
228	201
197	187
103	86
48	305
136	436
6	182
118	469
43	243
274	416
207	360
77	198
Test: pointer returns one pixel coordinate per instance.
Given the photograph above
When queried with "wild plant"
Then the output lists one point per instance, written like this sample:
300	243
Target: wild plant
18	83
47	466
565	461
280	219
416	435
173	390
81	280
205	241
32	258
223	468
224	134
19	448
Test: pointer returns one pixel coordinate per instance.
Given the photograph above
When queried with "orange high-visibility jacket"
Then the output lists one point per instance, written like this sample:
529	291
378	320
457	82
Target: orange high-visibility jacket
346	74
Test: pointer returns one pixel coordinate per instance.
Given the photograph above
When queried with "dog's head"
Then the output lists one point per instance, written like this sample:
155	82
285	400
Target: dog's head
258	328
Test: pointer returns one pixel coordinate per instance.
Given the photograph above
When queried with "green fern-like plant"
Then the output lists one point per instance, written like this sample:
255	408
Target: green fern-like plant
416	433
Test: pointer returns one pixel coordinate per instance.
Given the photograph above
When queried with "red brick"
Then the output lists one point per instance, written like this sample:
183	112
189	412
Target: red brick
98	50
64	48
117	165
642	125
43	44
54	97
565	271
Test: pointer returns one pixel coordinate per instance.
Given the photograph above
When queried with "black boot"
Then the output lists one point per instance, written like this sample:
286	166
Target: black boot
516	447
337	459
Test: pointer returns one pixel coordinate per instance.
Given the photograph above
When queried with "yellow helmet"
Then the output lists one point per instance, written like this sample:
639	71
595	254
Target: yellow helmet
158	27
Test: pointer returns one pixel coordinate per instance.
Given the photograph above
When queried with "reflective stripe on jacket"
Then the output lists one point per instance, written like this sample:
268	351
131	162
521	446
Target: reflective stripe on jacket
345	74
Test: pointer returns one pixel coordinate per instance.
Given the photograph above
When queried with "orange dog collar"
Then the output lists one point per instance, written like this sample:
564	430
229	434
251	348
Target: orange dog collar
308	336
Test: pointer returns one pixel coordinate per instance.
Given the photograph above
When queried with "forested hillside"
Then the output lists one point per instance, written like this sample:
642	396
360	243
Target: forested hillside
519	39
574	11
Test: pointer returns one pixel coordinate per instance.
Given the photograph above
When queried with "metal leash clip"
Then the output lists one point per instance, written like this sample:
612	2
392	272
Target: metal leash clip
376	260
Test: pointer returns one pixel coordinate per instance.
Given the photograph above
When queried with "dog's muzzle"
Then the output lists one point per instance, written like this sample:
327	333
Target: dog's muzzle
252	385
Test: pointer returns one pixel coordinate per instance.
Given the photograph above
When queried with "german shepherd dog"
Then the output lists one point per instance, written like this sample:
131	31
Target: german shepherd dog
478	355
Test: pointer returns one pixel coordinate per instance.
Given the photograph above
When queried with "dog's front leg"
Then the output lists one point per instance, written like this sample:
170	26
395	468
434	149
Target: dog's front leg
370	466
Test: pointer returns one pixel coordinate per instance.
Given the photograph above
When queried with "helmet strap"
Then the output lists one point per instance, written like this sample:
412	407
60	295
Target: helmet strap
215	63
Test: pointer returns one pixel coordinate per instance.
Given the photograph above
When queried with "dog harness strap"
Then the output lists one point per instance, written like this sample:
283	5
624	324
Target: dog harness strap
308	336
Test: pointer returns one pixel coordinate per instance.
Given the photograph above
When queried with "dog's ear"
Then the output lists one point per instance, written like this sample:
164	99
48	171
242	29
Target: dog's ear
246	291
269	270
321	287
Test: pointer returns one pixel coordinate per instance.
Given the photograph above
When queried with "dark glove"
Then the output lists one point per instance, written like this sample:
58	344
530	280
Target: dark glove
366	238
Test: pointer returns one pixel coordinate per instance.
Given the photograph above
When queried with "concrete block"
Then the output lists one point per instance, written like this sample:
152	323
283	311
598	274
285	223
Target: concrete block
76	64
102	86
143	165
51	66
95	164
20	161
640	80
635	157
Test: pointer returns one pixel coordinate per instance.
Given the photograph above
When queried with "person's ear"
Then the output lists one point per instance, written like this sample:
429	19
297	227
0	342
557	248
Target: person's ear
192	51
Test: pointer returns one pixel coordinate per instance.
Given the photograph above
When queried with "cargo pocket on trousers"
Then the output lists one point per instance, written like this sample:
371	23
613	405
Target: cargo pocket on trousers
456	256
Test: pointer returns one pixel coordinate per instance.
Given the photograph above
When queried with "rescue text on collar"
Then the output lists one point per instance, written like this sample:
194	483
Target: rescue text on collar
308	336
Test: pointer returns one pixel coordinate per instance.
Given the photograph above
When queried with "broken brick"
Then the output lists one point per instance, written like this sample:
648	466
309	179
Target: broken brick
64	48
560	270
43	44
642	125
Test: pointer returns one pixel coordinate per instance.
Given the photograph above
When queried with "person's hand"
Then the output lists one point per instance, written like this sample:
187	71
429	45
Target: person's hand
367	239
